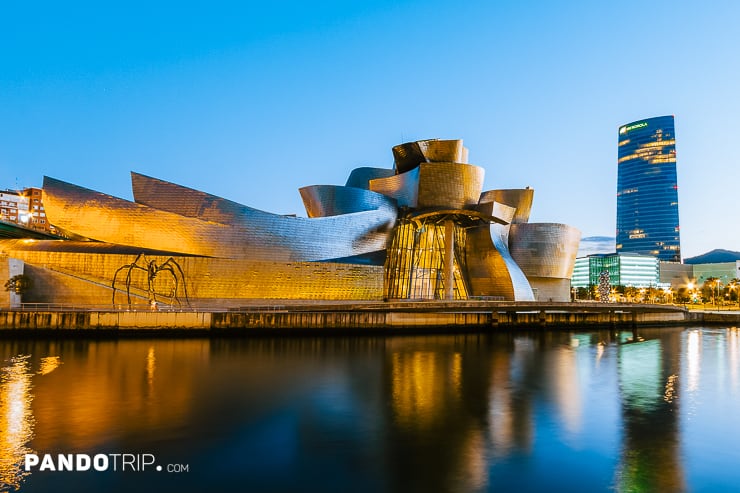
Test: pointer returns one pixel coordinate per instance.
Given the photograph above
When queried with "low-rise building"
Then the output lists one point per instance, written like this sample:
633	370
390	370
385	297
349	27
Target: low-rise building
723	271
25	208
625	269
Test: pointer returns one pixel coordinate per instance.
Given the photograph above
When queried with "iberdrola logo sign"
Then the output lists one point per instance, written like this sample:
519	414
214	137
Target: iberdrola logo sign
634	126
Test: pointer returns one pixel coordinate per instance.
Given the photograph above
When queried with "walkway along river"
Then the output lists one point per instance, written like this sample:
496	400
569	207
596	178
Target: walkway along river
372	316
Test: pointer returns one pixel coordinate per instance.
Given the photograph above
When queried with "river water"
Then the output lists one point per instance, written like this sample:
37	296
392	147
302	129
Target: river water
646	410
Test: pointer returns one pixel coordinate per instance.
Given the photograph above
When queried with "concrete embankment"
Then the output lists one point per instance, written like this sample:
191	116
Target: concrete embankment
358	317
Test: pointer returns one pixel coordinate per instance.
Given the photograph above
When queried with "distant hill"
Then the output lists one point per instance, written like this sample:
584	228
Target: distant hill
714	257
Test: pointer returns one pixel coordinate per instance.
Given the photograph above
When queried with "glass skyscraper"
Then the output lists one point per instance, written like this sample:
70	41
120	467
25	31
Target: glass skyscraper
647	189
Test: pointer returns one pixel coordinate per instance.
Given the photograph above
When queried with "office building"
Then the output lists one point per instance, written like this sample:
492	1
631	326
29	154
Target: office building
647	190
625	269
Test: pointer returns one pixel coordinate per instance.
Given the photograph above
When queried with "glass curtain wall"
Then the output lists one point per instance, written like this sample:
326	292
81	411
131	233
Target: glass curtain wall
415	263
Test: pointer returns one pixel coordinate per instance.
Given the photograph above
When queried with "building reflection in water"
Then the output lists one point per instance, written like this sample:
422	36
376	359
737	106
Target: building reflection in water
108	390
733	348
16	419
48	364
438	414
501	424
649	366
693	359
151	366
564	381
533	410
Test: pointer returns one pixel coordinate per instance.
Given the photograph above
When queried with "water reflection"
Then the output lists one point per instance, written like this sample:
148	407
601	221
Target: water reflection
733	350
16	428
598	411
49	364
693	358
651	454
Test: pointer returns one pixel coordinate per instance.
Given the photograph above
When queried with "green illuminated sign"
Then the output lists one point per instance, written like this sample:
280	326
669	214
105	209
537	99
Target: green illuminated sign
634	126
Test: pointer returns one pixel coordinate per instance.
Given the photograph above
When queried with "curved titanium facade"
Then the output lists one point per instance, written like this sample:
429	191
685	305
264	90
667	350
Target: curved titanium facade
360	177
211	226
545	249
409	155
519	198
334	200
449	185
546	253
404	188
492	270
647	189
426	222
434	185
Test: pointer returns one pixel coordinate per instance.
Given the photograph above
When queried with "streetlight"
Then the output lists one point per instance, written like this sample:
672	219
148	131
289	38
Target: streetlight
668	293
734	284
717	298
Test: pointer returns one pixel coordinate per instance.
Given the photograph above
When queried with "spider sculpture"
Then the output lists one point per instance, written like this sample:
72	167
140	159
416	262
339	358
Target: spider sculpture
152	270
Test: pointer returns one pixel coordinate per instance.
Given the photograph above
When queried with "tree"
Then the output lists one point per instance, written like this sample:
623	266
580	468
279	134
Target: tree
707	289
631	292
683	295
734	286
18	284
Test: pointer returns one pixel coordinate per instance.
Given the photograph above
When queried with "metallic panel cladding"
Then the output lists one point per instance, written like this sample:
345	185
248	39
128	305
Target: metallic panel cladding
449	185
546	253
87	275
404	188
335	200
443	151
360	177
229	251
179	219
409	155
434	185
545	249
519	198
491	269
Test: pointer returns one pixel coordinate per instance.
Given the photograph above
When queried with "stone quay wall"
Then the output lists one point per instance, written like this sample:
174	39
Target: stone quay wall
357	317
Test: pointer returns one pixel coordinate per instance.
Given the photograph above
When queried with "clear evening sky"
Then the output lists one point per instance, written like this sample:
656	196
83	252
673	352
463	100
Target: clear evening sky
251	101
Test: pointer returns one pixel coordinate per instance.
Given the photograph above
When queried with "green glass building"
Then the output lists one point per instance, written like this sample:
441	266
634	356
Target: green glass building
625	269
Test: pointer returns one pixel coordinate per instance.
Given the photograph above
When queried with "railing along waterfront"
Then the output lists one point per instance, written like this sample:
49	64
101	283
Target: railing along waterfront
351	315
469	305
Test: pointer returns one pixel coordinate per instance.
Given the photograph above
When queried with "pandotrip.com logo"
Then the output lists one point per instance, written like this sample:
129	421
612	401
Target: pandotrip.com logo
98	462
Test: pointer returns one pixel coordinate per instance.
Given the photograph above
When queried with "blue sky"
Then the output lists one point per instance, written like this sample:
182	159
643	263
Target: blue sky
251	101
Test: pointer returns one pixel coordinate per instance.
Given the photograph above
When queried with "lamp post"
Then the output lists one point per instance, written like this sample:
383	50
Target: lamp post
716	298
734	285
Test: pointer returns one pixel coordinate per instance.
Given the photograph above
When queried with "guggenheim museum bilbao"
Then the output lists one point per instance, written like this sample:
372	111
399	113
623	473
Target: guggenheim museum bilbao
422	230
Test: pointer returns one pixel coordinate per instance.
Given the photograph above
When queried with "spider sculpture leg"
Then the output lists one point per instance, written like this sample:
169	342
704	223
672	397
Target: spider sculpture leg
168	268
171	261
115	276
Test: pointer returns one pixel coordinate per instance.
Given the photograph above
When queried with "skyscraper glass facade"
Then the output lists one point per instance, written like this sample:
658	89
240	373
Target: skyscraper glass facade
647	189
